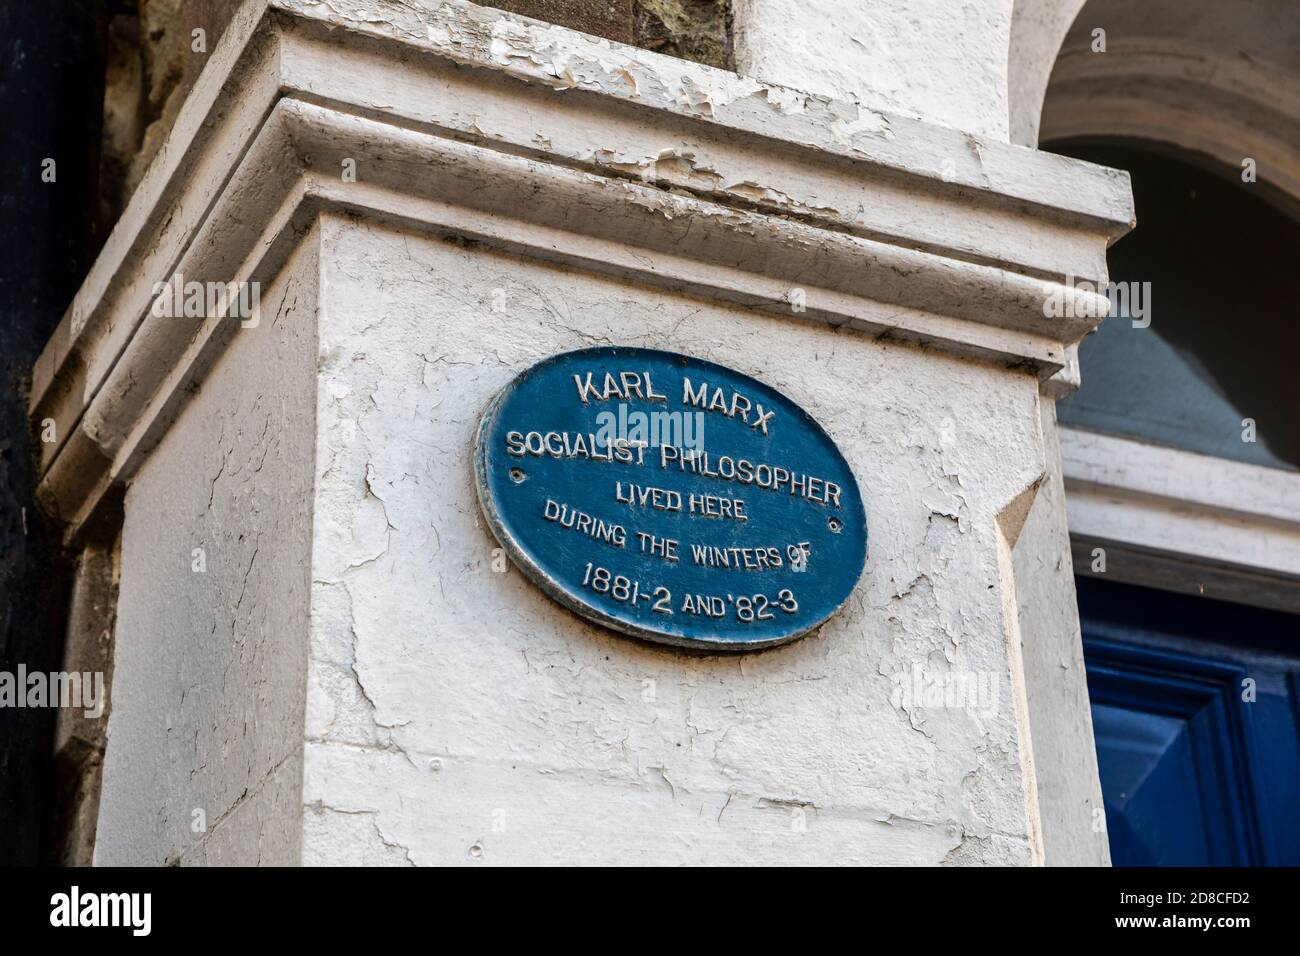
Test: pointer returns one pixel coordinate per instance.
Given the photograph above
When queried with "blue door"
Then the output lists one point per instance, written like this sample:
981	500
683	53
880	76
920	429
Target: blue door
1196	714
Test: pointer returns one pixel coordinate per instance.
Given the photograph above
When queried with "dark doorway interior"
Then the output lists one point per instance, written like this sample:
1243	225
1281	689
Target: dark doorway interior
1215	262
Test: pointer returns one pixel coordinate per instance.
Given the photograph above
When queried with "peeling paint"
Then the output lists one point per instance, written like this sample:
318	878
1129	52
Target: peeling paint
527	708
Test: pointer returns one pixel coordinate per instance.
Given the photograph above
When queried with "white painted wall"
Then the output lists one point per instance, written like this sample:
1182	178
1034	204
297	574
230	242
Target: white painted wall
1038	28
456	715
209	673
943	61
1060	717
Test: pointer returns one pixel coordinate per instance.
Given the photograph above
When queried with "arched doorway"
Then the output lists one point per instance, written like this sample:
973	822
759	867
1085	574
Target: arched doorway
1181	448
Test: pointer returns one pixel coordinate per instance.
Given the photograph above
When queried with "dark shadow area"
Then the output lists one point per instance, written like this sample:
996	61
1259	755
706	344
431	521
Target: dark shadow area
1222	346
51	101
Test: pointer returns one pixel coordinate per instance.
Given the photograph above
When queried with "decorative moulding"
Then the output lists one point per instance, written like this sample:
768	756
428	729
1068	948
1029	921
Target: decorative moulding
1182	521
465	121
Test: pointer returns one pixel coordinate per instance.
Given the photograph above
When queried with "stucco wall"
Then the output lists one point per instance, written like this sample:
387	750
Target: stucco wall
1069	791
940	60
456	715
209	673
1037	29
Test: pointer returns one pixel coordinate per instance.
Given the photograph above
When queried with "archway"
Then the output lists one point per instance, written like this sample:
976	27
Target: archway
1180	450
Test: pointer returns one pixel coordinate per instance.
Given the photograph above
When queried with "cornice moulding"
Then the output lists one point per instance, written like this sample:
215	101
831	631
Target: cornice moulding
467	122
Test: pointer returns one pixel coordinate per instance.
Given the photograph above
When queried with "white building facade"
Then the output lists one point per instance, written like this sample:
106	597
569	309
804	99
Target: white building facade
320	655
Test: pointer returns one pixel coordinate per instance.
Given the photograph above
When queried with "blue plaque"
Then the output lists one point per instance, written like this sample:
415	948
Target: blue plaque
670	498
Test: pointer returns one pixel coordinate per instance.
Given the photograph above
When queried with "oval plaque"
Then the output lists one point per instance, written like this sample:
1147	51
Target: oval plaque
670	498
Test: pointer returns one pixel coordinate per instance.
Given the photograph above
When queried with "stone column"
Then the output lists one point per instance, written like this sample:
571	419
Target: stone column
981	67
319	658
